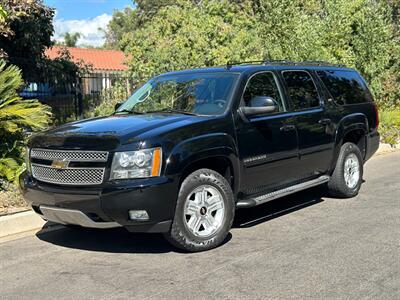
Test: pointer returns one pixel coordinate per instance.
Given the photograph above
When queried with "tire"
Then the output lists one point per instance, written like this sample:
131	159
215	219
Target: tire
204	212
350	163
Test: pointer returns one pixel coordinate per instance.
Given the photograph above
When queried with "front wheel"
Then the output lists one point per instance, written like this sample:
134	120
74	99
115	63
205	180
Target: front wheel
204	212
347	177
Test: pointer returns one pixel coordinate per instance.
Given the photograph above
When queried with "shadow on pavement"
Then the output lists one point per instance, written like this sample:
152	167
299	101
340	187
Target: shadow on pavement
277	208
116	240
119	240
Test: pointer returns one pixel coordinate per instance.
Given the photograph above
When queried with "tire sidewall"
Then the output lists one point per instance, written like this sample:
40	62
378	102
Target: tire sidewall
348	149
179	229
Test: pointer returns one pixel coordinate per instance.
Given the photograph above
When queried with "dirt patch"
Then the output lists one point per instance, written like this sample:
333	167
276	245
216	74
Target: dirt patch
11	199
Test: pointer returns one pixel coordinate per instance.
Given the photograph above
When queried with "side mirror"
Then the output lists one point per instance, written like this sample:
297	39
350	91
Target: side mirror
259	105
118	105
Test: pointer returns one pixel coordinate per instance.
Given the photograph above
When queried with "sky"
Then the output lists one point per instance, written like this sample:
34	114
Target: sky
85	17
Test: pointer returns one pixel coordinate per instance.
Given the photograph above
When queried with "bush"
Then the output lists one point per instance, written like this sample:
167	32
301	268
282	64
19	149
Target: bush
390	126
109	98
16	116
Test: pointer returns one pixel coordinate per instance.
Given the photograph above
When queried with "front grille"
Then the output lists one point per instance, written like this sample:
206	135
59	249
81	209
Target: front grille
45	165
68	176
70	155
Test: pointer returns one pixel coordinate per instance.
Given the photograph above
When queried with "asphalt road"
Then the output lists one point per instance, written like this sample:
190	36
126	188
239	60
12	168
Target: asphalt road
298	247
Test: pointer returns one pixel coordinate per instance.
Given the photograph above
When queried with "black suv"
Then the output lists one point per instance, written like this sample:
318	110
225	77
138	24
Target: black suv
188	148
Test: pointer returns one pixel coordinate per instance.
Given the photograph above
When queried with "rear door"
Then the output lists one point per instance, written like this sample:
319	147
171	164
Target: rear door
267	143
314	127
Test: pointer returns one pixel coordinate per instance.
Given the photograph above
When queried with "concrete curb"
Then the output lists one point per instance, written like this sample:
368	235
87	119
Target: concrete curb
386	148
20	222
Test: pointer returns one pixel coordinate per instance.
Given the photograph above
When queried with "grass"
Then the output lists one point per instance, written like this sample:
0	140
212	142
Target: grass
389	127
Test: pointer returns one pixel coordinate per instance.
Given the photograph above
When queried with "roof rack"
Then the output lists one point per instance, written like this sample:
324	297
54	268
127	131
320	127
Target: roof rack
285	62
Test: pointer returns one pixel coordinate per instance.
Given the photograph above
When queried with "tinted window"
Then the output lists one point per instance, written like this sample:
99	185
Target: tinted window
262	84
199	93
301	90
346	87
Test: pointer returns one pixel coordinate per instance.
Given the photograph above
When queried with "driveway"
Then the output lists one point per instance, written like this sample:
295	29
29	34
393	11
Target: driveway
298	247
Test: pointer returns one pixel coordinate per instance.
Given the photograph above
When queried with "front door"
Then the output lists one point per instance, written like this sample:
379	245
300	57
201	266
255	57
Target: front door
268	145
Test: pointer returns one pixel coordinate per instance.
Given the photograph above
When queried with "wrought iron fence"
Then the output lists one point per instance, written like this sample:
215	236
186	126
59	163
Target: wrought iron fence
72	100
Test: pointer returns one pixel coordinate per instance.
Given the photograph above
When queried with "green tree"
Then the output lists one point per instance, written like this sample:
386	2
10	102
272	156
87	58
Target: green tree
25	34
70	39
185	35
160	36
121	23
16	116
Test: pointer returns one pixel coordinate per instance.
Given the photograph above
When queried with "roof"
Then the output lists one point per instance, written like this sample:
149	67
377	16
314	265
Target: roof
250	68
105	60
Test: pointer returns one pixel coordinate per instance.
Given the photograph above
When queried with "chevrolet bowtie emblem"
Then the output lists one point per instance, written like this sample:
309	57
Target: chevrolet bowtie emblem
60	164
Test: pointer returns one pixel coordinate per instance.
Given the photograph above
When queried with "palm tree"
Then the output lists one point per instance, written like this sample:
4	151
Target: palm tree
70	39
16	116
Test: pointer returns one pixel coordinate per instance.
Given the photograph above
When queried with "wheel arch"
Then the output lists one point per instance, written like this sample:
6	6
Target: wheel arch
217	152
352	128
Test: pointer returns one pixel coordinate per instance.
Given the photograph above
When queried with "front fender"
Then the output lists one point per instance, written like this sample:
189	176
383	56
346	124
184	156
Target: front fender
202	147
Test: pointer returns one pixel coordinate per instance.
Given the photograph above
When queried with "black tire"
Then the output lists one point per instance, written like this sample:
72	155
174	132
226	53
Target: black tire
337	186
180	236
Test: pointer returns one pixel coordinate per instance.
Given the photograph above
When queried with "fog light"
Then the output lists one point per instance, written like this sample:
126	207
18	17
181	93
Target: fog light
139	215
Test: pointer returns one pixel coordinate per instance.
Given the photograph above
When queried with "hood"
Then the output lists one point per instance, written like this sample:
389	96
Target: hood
107	132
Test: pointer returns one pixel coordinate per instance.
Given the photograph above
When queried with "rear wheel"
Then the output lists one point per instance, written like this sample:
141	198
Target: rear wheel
204	212
347	177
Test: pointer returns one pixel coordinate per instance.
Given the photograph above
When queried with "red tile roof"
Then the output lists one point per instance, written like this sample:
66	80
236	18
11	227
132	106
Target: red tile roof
107	60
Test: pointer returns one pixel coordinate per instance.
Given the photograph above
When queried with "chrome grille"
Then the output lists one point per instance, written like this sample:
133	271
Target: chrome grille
68	176
70	155
52	172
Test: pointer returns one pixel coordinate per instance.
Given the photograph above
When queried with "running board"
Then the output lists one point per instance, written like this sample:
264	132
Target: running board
250	202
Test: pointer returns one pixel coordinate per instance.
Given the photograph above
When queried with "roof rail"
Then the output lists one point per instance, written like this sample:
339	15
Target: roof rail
285	62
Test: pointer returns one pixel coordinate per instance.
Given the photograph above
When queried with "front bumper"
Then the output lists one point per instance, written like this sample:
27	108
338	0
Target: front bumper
106	206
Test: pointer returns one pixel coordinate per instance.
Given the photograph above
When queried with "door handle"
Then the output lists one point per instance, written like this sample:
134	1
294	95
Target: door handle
288	128
325	121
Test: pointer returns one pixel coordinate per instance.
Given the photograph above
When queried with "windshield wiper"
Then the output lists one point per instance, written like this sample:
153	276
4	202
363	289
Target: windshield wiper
169	110
129	112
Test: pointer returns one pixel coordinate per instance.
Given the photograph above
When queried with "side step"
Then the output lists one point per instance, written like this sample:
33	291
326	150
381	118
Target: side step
250	202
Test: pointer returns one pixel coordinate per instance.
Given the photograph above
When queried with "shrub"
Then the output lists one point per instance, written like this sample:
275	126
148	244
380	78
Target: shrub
16	116
109	98
390	126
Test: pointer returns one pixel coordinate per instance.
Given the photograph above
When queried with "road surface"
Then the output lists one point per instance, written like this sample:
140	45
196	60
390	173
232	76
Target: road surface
297	247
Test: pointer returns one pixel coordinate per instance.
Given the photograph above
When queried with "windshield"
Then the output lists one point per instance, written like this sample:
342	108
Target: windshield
200	93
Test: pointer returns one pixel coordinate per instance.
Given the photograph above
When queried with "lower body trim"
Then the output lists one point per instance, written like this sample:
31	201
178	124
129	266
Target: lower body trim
250	202
72	217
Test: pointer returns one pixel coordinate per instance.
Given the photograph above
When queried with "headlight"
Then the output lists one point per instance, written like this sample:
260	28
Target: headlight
136	164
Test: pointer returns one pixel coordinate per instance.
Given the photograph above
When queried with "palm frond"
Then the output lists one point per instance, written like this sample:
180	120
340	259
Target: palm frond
16	115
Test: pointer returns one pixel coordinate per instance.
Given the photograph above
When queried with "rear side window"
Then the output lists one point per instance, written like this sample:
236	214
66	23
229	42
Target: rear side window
346	87
301	90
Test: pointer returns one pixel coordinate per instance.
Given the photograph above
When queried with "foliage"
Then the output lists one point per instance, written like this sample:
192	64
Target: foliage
109	98
166	35
3	15
121	23
25	34
70	39
16	116
63	69
389	127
